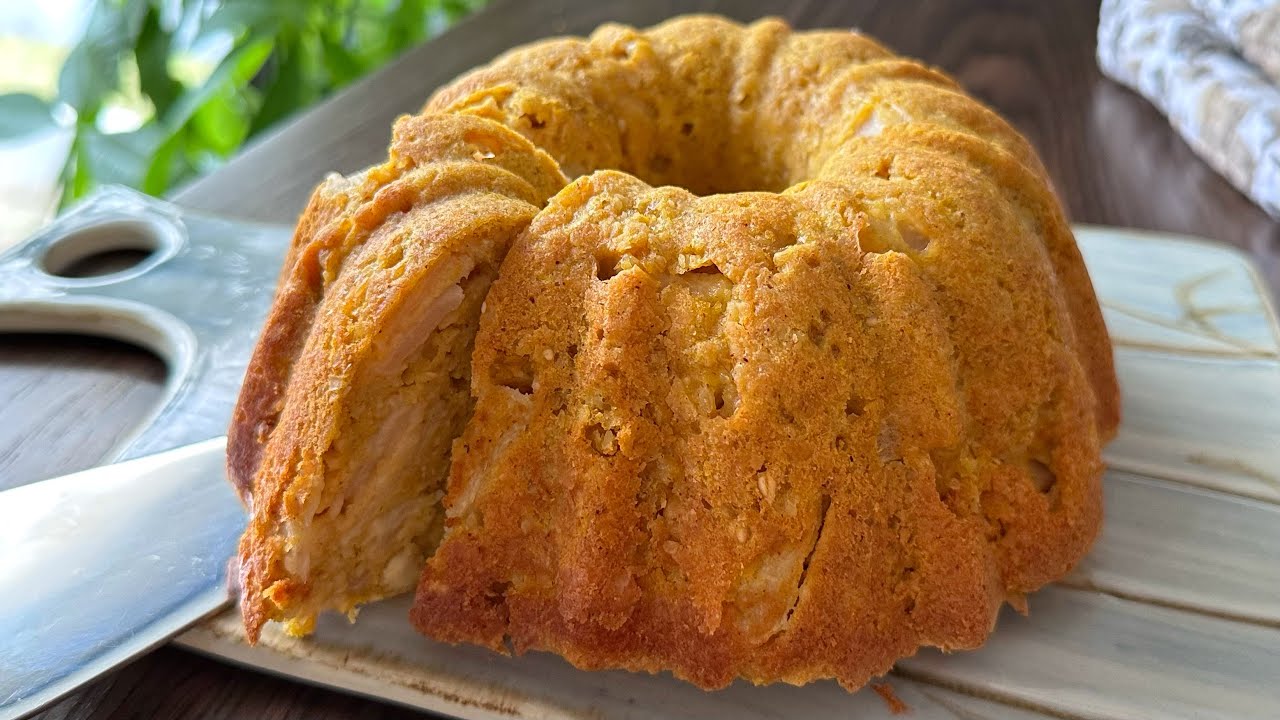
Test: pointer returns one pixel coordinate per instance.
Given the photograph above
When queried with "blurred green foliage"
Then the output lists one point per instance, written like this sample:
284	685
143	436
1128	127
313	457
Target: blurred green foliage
272	57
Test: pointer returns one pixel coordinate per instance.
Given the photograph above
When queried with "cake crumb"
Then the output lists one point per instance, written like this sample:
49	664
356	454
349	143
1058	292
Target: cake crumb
894	703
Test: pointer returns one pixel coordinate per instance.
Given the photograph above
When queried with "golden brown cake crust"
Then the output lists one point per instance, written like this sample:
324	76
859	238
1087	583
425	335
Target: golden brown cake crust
751	431
802	373
285	330
773	436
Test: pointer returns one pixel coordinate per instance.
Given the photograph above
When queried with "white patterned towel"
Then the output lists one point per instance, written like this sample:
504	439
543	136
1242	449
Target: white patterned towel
1212	67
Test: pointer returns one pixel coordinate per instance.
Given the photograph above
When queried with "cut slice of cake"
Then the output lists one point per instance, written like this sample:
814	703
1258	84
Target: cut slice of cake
360	382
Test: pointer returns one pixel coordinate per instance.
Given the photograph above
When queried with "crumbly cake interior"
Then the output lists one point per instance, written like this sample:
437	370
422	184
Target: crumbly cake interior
372	329
378	519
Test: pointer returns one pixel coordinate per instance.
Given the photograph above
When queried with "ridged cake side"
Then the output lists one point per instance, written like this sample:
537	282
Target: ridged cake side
358	385
778	436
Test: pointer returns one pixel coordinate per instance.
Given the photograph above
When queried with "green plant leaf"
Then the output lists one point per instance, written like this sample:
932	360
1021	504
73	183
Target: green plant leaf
92	69
342	65
408	25
293	87
75	174
152	52
21	114
236	69
168	165
284	55
221	124
238	17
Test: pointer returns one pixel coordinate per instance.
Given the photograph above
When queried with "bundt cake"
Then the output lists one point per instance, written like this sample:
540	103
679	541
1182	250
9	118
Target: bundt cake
803	371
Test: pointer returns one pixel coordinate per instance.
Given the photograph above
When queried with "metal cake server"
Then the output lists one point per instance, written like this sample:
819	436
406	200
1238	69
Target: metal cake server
102	565
99	566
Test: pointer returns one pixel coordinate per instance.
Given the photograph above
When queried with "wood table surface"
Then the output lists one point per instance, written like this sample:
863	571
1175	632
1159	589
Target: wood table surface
65	401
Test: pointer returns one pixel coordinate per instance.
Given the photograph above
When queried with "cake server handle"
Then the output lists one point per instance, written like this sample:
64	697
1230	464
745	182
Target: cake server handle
99	566
197	300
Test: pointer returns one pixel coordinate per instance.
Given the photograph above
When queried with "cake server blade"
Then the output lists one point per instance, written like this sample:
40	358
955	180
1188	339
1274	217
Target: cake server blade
99	566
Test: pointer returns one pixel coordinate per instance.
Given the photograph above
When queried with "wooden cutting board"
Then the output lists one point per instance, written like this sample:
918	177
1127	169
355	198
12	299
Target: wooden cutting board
1175	613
